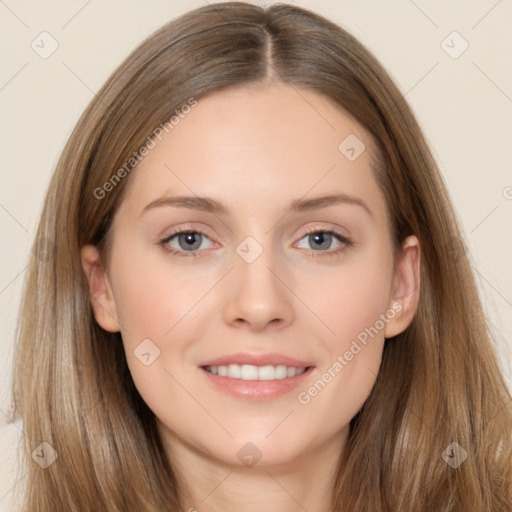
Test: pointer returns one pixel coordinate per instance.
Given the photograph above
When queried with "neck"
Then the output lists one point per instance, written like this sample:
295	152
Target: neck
212	485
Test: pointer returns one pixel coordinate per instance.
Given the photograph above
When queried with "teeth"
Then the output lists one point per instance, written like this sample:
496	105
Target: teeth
250	372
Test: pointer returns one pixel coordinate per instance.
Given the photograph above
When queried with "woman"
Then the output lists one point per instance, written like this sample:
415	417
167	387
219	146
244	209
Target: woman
253	371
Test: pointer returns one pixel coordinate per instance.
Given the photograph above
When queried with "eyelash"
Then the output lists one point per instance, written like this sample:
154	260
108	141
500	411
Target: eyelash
331	253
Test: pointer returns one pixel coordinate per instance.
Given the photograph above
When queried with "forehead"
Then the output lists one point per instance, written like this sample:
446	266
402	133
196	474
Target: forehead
260	145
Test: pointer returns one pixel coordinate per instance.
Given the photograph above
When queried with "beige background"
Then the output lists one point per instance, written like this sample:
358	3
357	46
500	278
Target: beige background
464	105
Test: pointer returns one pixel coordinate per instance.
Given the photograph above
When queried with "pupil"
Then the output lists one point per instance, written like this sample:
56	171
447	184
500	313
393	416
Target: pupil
322	239
190	240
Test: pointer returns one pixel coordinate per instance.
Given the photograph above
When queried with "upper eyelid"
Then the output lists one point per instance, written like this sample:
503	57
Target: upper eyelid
331	229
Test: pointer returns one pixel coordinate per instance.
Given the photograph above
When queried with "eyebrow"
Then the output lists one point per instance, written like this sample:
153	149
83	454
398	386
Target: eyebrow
207	204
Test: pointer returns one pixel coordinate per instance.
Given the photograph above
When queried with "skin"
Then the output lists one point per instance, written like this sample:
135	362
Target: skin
254	150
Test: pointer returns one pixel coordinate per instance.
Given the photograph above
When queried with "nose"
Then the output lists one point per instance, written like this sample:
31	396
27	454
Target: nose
258	295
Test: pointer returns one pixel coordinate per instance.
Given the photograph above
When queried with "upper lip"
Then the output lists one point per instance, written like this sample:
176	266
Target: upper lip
257	360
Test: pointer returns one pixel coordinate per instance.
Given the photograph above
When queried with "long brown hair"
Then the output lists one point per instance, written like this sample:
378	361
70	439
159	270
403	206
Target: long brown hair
439	382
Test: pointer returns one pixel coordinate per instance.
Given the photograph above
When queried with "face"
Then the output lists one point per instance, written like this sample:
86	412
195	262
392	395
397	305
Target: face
264	322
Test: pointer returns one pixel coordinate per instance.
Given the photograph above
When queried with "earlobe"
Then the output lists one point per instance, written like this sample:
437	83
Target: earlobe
406	287
102	299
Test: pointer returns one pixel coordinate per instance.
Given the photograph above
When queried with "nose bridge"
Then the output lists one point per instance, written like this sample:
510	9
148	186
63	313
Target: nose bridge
257	296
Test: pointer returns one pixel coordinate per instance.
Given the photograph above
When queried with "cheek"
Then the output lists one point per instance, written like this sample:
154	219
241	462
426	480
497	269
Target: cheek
151	295
354	304
159	301
152	301
351	297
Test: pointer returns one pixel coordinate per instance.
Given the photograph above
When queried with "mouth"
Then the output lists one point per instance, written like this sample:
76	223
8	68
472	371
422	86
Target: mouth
251	372
256	376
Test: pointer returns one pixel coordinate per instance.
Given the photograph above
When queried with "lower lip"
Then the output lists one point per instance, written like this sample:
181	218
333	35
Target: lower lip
258	390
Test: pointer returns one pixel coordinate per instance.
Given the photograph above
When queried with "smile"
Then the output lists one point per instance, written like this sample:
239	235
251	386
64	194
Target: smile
250	372
256	376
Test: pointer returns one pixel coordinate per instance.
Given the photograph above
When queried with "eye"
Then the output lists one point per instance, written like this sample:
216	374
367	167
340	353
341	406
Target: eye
323	239
188	241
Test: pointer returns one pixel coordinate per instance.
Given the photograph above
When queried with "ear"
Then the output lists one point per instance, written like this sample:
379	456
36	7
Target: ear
102	298
406	287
